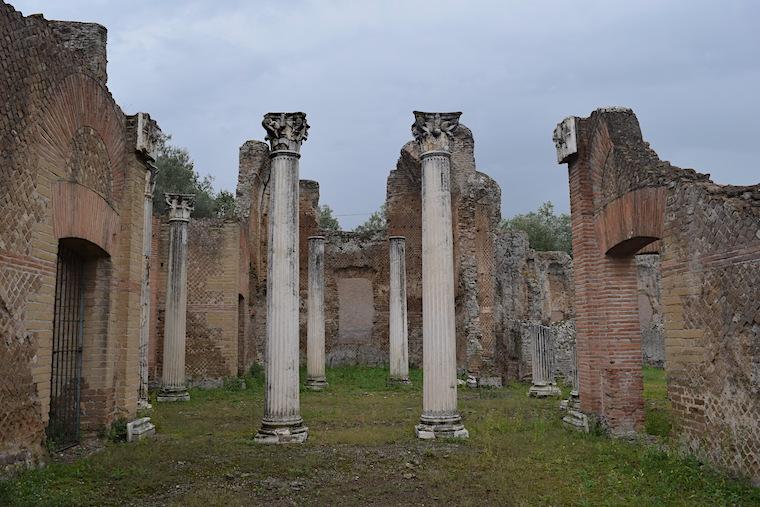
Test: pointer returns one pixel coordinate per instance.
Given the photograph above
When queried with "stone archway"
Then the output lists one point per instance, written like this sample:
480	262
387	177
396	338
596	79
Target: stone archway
612	220
623	200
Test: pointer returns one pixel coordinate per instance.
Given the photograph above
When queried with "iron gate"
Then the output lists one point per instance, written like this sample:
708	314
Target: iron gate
68	326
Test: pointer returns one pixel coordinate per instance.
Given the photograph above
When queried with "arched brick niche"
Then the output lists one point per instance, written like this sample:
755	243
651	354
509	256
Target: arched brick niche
79	212
631	222
81	137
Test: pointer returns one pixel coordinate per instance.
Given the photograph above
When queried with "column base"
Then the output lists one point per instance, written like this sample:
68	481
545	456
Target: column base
167	394
397	381
432	427
576	420
274	432
139	429
545	391
572	403
144	405
316	384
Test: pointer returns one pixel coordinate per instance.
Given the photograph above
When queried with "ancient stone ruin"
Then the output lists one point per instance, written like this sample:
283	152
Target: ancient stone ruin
101	301
624	199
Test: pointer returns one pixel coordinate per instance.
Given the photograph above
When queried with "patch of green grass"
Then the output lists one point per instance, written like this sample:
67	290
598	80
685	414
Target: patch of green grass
658	419
362	450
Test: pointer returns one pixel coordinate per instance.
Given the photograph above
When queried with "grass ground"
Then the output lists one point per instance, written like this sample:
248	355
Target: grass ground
362	451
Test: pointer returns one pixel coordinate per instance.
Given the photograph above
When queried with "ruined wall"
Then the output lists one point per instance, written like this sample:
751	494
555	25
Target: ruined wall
711	299
650	310
476	201
356	298
624	197
253	209
213	306
532	288
67	172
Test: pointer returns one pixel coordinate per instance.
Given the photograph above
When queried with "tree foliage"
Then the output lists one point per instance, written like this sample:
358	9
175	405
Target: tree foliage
376	223
176	173
327	220
226	205
546	230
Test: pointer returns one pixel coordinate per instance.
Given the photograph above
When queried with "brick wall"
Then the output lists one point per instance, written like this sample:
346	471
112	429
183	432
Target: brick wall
476	201
213	300
624	197
67	171
356	299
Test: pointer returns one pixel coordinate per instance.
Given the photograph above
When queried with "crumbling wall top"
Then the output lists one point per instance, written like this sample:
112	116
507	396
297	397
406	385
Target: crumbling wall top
87	41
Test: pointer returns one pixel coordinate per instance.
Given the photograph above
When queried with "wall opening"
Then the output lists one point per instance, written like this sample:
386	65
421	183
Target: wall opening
81	379
68	331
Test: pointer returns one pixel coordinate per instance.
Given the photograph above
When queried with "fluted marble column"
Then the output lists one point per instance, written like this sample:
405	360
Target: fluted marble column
173	387
282	421
542	363
398	331
315	326
150	185
440	417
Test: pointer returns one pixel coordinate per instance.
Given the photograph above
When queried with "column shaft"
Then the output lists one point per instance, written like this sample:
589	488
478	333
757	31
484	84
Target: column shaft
440	416
315	327
282	422
142	395
542	363
398	331
173	386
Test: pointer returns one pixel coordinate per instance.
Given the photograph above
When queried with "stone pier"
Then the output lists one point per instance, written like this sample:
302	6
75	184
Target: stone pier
282	422
315	327
146	147
542	363
398	331
440	417
173	387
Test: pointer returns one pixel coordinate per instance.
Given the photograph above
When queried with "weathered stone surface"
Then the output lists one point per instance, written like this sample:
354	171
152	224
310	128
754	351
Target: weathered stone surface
173	384
398	330
565	139
139	429
59	123
433	132
282	422
87	41
531	288
650	310
315	339
476	201
710	277
216	303
542	358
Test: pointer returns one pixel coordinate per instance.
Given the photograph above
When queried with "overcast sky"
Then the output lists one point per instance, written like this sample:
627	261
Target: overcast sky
207	71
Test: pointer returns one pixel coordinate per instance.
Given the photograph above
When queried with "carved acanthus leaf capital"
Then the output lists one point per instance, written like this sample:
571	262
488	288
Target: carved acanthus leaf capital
434	131
285	131
180	206
565	139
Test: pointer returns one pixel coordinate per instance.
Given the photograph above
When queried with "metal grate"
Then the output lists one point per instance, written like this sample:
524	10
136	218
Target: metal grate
68	325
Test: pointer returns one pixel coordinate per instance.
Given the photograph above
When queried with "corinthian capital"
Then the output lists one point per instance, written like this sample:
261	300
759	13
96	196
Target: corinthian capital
285	131
434	130
180	206
565	139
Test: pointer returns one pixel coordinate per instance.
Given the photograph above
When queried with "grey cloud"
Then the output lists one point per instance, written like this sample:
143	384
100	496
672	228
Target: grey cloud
208	71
